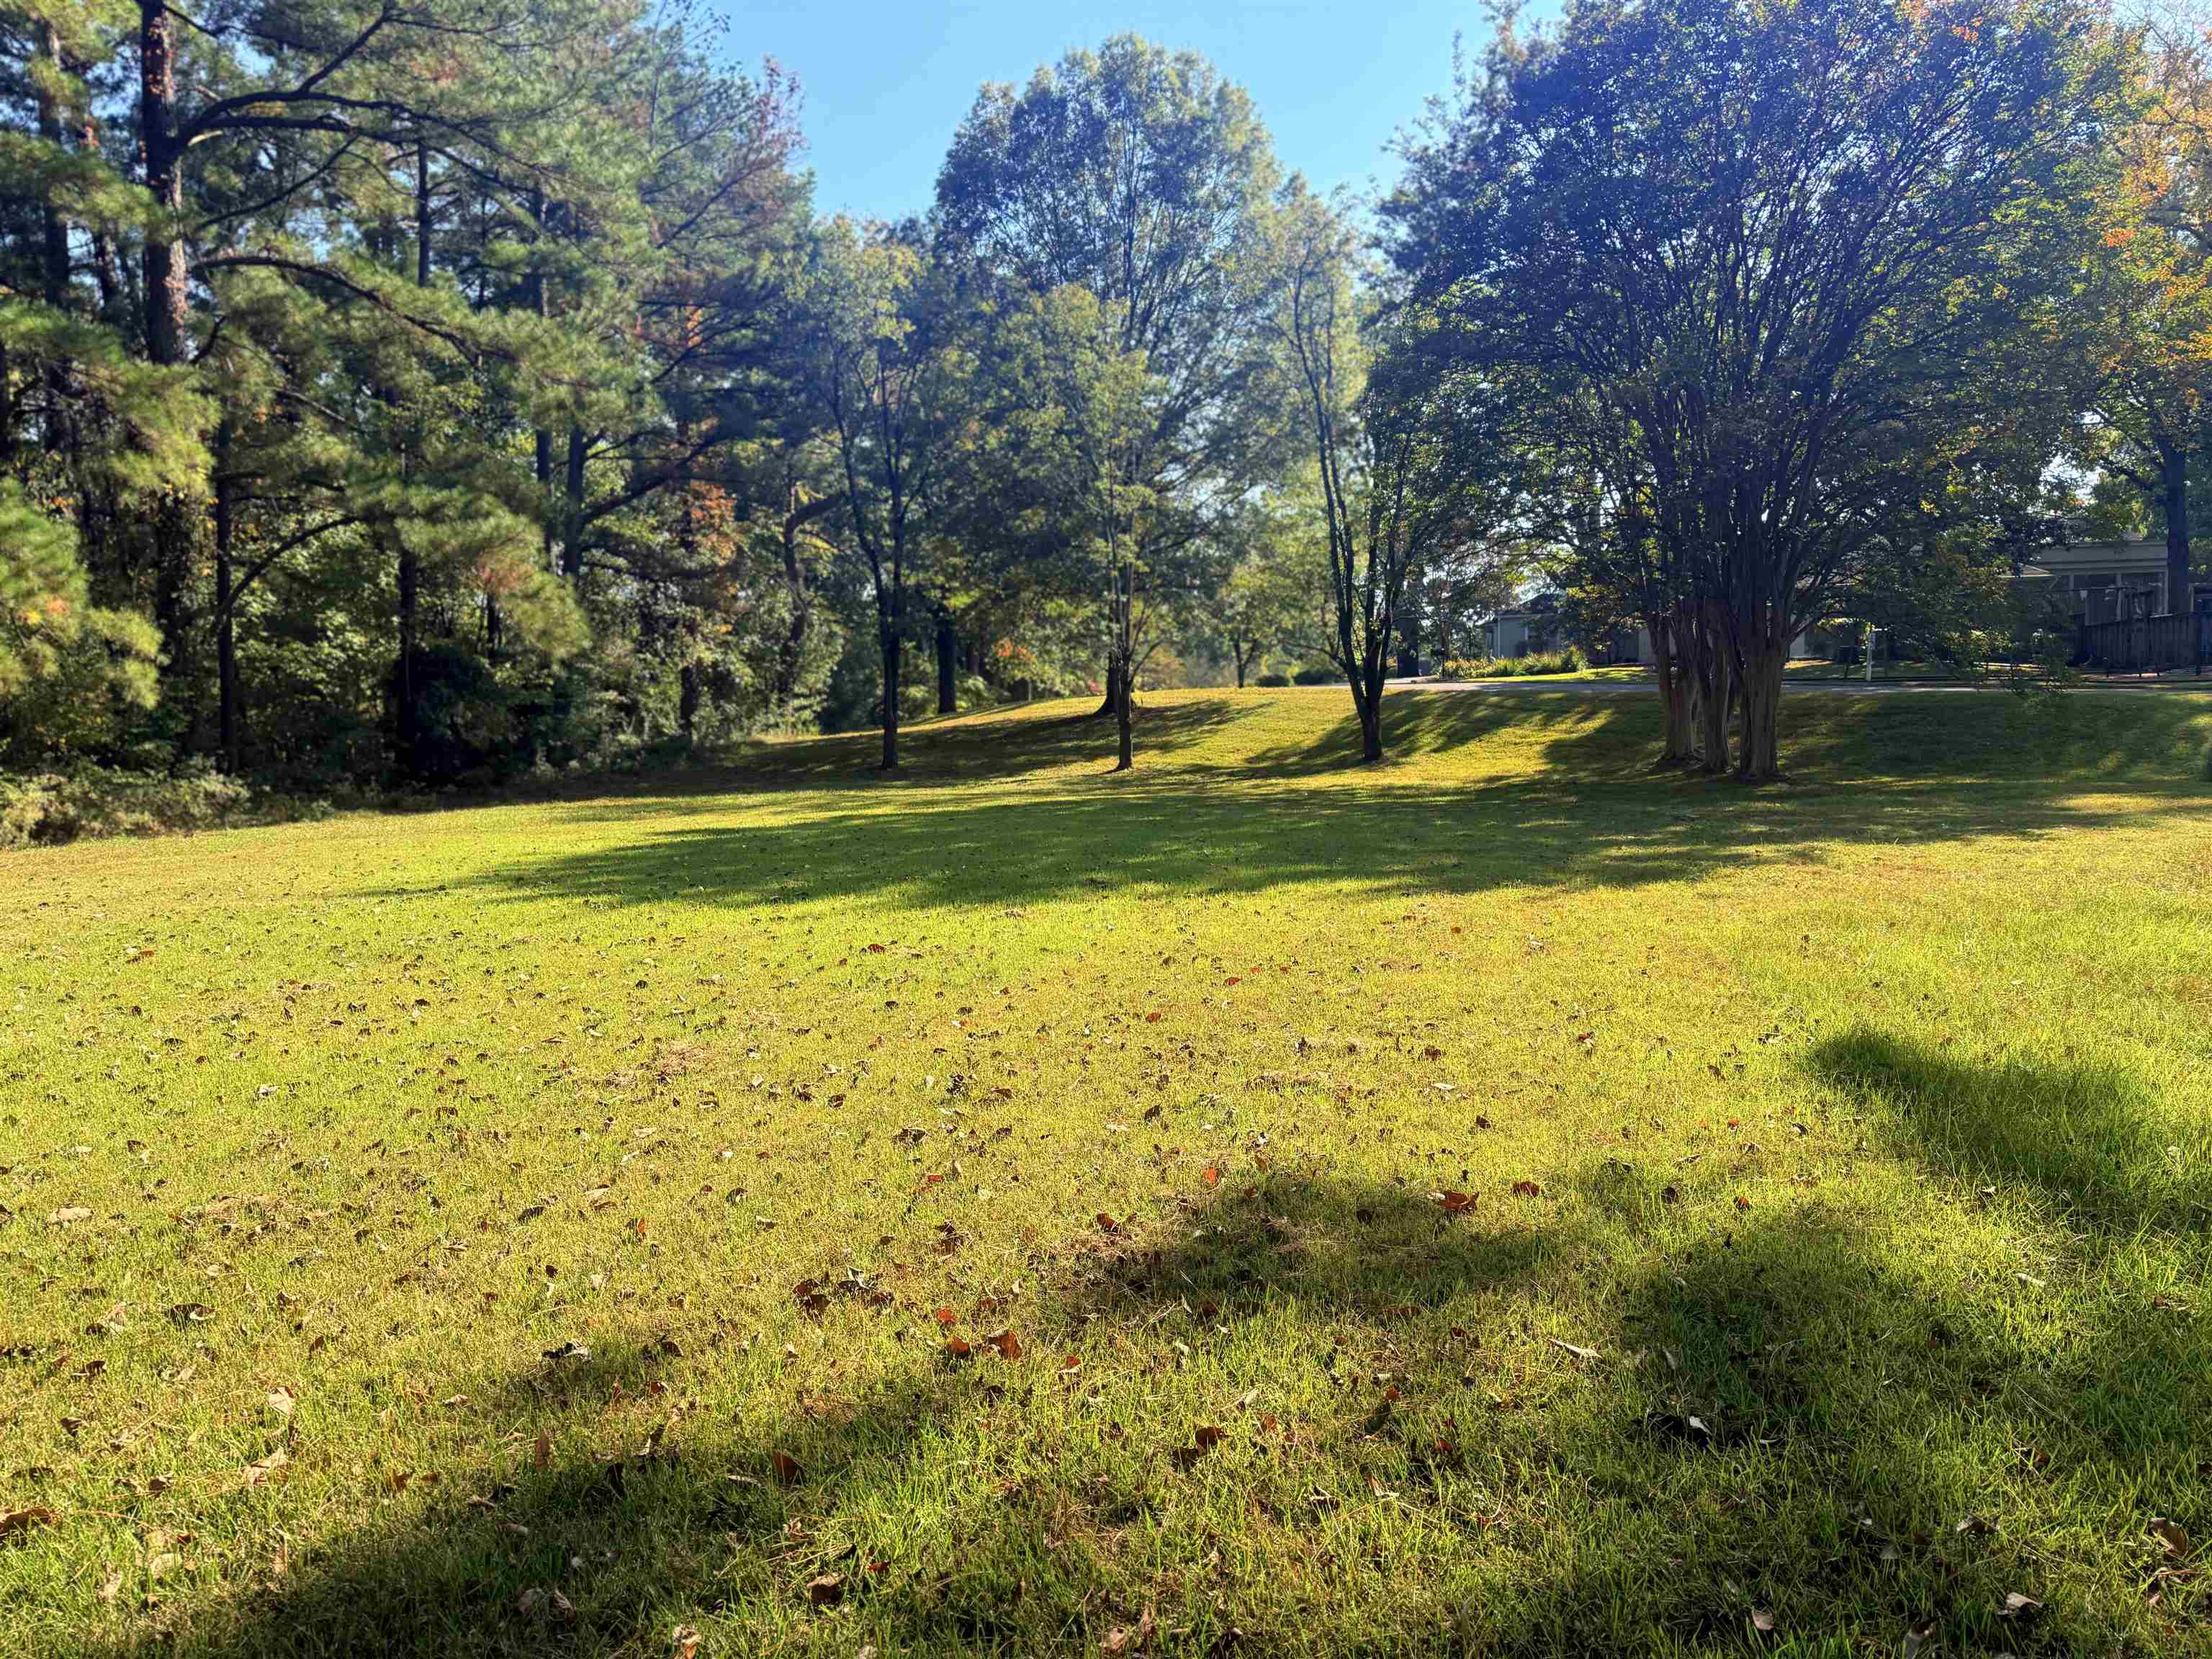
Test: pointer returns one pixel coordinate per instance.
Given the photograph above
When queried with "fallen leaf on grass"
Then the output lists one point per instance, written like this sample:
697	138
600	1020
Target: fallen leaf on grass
262	1468
1124	1639
2017	1606
1762	1621
1008	1344
826	1591
21	1521
1576	1349
787	1468
69	1213
1204	1440
281	1400
686	1638
1452	1203
1527	1190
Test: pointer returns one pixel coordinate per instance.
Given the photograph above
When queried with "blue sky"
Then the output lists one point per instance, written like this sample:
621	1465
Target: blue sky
886	83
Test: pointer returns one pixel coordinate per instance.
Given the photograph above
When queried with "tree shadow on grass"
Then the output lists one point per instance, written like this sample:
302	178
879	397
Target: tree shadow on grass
2090	1139
1783	1412
1175	837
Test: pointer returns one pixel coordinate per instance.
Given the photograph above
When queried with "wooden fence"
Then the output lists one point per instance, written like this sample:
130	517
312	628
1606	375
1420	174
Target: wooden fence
2146	645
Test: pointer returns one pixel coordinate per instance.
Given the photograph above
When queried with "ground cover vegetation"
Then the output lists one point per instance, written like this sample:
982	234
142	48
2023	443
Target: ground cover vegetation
1493	1202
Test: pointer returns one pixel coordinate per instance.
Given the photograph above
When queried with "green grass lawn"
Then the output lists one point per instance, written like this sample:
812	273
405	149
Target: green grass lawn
1501	1201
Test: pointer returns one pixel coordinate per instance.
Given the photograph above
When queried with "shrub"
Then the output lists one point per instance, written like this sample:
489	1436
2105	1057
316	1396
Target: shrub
1322	675
1568	661
46	808
1272	680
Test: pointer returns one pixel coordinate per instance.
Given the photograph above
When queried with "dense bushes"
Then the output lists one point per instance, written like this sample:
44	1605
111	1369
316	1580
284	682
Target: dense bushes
42	808
1568	661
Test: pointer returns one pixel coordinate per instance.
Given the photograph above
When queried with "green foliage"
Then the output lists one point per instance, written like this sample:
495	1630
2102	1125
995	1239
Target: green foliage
1536	663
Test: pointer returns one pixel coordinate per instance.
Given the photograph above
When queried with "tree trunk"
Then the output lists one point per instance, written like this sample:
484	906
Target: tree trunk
572	543
2173	479
891	648
1236	653
421	213
1716	688
1760	761
163	268
1369	705
948	644
687	703
230	701
1671	670
1124	722
1113	703
407	721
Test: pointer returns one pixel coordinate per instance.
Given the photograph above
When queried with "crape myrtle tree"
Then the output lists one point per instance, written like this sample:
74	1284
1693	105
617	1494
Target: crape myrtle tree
1776	252
1403	437
1142	176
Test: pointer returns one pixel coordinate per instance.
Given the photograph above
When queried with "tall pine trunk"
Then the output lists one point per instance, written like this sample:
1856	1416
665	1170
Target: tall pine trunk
572	543
166	298
229	695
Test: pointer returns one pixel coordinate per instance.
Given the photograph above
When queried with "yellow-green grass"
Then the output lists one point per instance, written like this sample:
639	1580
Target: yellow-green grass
525	1230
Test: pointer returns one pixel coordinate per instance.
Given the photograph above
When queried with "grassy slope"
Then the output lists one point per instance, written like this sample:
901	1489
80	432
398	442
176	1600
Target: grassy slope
1869	1118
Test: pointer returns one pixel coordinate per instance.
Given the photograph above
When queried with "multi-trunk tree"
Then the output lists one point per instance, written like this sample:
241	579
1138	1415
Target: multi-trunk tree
1776	252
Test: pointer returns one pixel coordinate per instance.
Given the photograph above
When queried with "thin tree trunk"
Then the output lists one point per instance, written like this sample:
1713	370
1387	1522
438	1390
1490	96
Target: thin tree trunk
1370	703
572	546
231	704
794	634
1671	670
891	647
1113	703
164	273
948	700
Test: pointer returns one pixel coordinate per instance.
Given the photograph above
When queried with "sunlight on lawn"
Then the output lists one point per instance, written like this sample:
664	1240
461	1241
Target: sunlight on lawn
1252	1204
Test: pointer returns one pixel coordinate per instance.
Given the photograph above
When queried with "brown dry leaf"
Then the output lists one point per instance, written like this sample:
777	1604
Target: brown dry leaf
1576	1349
2017	1606
1210	1176
1742	1202
1107	1223
686	1639
262	1468
1008	1344
945	1317
191	1313
957	1347
20	1520
282	1400
827	1590
788	1469
1525	1189
2176	1540
68	1214
1762	1621
542	1455
112	1586
1453	1202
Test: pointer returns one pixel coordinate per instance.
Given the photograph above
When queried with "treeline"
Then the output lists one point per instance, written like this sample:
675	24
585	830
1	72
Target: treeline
424	391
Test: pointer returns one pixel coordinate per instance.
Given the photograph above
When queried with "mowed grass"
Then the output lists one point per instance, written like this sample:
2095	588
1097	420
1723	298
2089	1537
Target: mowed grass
584	1227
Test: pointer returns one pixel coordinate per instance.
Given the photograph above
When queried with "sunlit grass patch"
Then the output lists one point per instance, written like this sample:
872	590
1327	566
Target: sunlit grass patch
1504	1200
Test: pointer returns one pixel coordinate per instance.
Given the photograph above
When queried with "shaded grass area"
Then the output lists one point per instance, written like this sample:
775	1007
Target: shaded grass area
1708	1221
